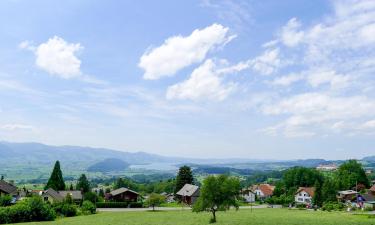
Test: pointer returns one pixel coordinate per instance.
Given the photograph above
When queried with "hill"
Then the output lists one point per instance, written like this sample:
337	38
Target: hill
109	165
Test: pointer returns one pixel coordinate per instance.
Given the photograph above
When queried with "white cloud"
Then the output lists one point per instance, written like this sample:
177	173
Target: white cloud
268	62
15	126
178	52
58	57
290	35
287	80
205	82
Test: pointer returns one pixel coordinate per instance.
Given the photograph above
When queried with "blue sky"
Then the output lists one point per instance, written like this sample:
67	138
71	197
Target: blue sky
254	79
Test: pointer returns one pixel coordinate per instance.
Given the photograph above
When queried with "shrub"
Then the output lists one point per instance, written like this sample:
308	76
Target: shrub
369	208
90	196
135	205
112	204
32	209
333	206
5	200
88	207
65	209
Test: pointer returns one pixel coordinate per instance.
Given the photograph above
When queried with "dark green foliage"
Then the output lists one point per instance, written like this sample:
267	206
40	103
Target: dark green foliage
71	187
184	176
5	200
68	199
101	193
109	165
301	177
218	193
349	174
65	209
127	183
155	200
56	181
32	209
83	184
88	207
283	199
90	196
318	196
333	206
329	191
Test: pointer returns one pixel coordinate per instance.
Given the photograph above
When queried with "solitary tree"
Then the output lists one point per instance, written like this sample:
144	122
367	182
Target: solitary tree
184	176
56	181
83	184
155	200
218	193
351	173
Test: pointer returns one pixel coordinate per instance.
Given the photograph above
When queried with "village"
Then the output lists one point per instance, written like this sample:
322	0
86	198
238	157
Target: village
84	199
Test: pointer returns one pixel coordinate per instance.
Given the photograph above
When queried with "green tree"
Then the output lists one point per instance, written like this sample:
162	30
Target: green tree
318	196
71	187
329	190
155	200
83	184
184	176
56	181
101	193
349	174
218	193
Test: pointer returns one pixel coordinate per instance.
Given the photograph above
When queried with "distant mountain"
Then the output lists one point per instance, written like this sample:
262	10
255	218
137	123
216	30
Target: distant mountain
109	165
369	158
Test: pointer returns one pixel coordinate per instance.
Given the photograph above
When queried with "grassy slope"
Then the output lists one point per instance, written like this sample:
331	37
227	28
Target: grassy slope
257	216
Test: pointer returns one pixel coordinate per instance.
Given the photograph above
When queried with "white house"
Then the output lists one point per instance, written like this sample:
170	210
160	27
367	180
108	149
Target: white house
304	195
248	195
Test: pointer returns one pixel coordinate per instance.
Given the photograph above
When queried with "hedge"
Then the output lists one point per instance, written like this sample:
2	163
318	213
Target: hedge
119	204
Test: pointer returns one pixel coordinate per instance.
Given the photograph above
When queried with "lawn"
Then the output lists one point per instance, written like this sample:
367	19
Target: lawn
244	216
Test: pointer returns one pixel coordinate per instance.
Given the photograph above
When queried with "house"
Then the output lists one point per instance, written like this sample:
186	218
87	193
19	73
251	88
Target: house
168	197
304	195
51	196
347	195
327	167
7	188
189	193
248	195
75	195
372	189
122	195
263	191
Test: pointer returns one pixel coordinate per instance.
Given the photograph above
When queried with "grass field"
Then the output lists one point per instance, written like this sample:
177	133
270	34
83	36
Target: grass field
241	217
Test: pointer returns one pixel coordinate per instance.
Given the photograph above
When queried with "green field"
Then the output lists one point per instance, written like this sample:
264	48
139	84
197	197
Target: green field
244	216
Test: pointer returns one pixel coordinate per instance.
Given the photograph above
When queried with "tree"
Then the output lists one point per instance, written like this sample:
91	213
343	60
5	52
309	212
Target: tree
71	187
101	193
318	197
56	181
329	191
184	176
155	200
83	184
218	193
349	174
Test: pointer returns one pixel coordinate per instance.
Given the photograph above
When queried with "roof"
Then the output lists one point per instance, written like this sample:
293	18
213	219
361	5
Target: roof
309	190
54	194
76	195
372	188
265	188
122	190
368	197
7	187
348	192
188	190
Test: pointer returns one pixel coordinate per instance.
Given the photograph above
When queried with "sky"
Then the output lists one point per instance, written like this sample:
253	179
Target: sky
202	78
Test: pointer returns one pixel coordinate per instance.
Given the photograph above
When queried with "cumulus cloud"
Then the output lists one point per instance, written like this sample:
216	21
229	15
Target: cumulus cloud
205	82
268	62
58	57
290	34
178	52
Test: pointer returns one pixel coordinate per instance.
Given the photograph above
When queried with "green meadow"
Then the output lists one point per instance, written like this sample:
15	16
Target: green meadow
232	217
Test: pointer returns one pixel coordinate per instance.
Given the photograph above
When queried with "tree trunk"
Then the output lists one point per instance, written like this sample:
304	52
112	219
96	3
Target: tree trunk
213	216
153	207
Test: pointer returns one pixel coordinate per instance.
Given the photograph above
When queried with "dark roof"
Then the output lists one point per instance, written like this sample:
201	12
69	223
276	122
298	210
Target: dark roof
54	194
76	195
188	190
7	187
122	190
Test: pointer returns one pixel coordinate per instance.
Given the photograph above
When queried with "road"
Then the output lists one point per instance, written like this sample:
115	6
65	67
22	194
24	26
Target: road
164	209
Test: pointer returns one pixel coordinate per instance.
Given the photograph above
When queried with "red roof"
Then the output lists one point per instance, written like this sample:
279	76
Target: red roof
265	188
309	190
372	188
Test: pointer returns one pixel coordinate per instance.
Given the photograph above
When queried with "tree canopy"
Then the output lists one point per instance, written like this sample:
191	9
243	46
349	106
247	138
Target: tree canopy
56	181
155	200
83	184
351	173
218	193
184	176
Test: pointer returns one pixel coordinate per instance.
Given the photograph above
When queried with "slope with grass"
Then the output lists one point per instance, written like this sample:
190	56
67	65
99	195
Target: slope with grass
241	217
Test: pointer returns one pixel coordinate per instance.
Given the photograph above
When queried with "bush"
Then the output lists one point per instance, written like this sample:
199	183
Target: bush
135	205
32	209
333	206
88	208
5	200
369	208
65	209
90	196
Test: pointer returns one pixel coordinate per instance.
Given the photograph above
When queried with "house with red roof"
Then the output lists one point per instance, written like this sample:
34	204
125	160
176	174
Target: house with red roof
263	191
304	195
